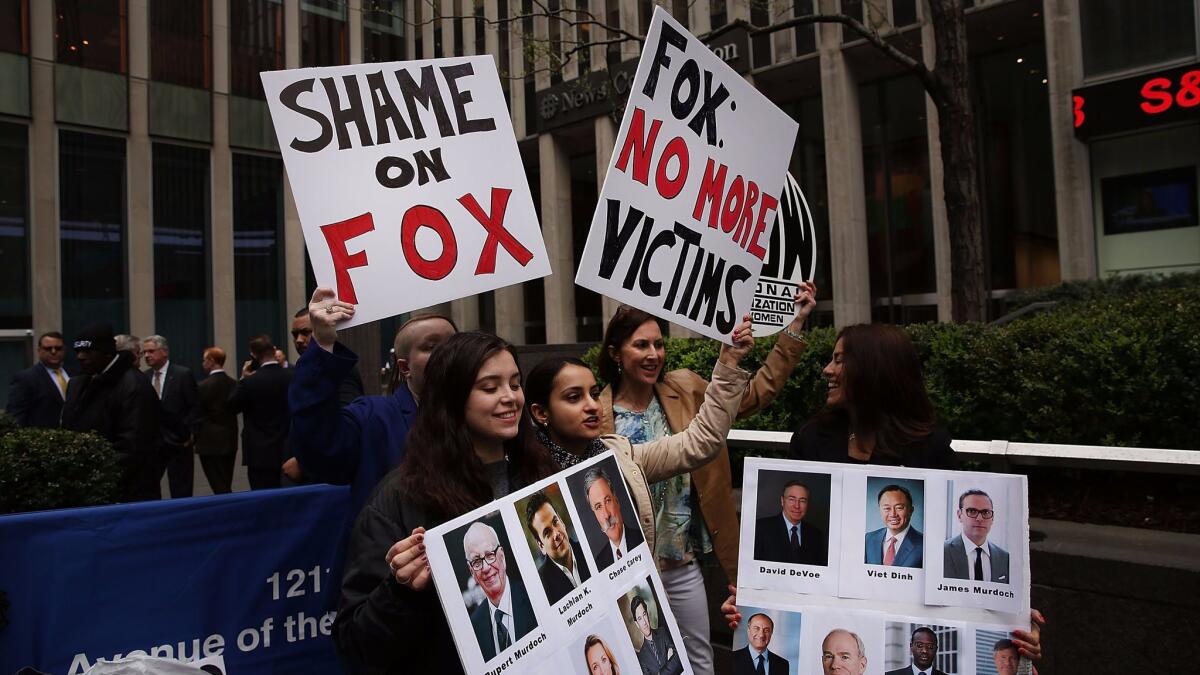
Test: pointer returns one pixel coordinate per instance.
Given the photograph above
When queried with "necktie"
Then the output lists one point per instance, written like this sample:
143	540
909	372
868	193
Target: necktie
62	382
889	558
761	669
978	564
502	636
618	554
795	541
158	383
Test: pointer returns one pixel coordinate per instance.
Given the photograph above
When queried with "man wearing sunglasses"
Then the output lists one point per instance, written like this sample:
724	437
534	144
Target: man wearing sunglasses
970	555
36	395
505	615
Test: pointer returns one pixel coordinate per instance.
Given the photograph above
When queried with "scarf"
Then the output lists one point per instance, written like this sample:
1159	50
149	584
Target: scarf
565	458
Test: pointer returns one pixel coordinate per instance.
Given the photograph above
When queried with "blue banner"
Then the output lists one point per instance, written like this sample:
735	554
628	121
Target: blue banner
252	576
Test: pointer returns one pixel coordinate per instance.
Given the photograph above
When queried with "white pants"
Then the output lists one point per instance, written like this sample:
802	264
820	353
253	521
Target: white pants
689	604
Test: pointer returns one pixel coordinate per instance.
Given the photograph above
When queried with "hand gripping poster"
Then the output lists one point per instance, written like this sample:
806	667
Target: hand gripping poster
882	570
556	577
408	181
692	192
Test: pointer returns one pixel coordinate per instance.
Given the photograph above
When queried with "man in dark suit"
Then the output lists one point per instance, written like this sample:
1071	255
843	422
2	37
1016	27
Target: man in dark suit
970	555
216	433
755	658
606	506
658	655
903	546
505	616
785	537
36	394
262	398
177	399
563	570
924	648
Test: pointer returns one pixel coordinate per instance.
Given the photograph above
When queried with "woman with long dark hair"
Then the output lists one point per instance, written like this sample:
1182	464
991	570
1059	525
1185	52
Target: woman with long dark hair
693	512
465	450
876	408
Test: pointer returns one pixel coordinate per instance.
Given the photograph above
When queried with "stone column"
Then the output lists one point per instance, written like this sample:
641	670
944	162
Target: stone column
354	26
844	171
224	307
294	296
1072	172
937	189
139	220
555	174
45	266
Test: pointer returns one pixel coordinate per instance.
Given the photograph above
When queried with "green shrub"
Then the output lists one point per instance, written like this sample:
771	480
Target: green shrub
55	469
1099	289
1120	369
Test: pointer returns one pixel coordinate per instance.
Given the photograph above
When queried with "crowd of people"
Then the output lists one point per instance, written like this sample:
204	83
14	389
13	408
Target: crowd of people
463	425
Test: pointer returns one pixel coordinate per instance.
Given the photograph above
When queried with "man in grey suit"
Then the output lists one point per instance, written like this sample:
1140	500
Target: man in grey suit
970	555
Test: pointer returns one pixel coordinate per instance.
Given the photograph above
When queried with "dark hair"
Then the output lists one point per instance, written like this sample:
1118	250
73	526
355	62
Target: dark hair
883	387
923	629
539	384
792	484
261	345
974	491
441	471
50	334
536	501
303	311
1002	644
623	324
894	488
633	607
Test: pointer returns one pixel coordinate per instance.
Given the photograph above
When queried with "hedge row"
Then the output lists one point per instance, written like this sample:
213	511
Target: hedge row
54	469
1118	369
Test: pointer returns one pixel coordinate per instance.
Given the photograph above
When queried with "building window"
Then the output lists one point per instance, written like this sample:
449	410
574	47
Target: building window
502	62
14	26
182	309
899	212
904	12
92	34
91	188
481	27
554	30
323	40
806	36
14	227
1125	34
383	31
181	43
717	14
255	44
854	10
589	316
257	246
808	168
419	28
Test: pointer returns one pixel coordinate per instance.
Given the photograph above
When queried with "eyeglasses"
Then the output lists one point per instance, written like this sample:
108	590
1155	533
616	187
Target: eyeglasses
793	501
488	558
53	349
986	514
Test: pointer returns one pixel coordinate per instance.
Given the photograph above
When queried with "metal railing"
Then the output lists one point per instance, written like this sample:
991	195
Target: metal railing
1001	455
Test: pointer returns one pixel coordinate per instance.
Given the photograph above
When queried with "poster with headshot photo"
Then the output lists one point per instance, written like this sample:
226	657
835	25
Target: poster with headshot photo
772	634
995	654
610	523
793	539
603	649
977	552
841	642
912	646
553	541
488	567
492	588
658	645
886	508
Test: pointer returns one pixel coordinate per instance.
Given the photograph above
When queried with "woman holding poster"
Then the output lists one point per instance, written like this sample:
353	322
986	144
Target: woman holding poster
694	511
465	450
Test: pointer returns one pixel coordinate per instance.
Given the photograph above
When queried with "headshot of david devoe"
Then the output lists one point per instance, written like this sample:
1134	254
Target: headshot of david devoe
793	518
612	531
493	592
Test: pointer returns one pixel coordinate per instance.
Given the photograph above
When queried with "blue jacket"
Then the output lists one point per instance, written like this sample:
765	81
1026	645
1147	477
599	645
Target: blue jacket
355	445
911	553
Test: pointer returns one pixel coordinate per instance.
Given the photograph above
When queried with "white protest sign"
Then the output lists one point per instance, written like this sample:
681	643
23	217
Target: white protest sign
567	595
407	180
791	259
692	190
876	557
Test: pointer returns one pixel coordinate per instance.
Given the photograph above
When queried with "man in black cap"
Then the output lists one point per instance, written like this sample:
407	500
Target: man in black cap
110	399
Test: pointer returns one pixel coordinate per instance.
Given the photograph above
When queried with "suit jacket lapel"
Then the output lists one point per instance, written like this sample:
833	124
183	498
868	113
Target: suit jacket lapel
672	405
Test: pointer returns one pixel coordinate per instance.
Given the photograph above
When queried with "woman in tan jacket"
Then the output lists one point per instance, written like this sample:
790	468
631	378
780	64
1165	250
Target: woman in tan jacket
693	512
